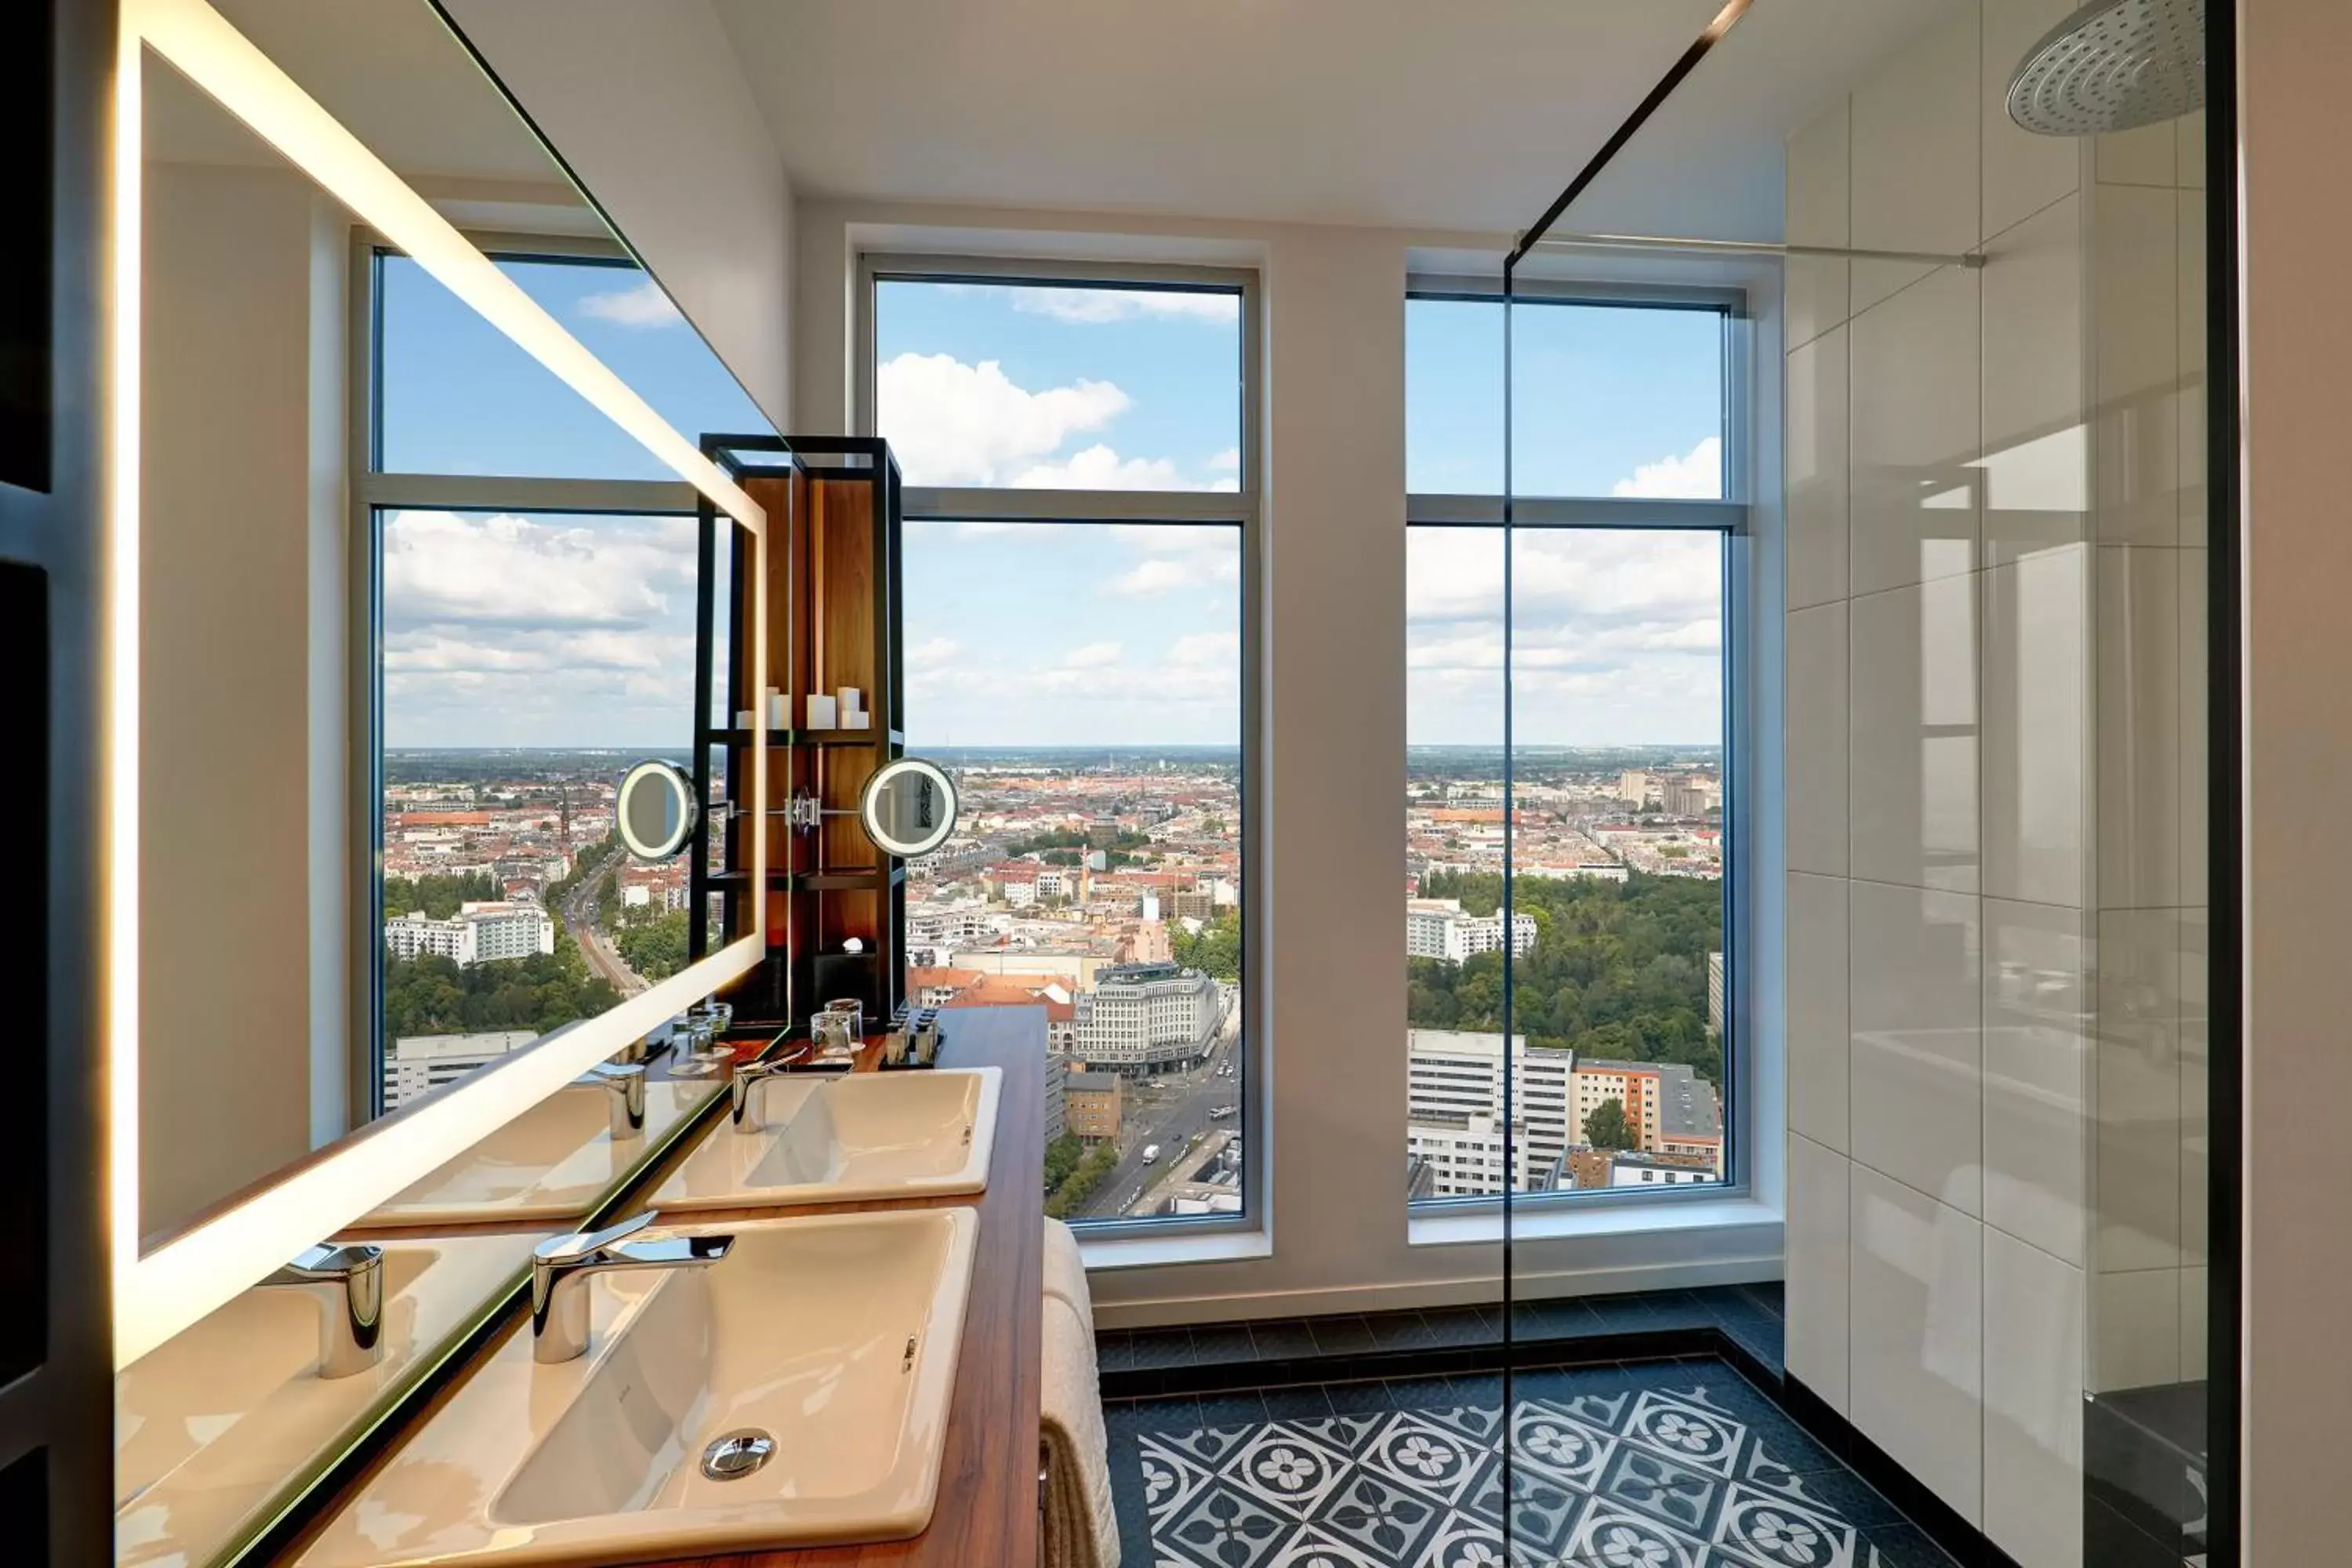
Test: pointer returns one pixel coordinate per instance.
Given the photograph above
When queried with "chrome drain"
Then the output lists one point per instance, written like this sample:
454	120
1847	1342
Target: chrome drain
736	1454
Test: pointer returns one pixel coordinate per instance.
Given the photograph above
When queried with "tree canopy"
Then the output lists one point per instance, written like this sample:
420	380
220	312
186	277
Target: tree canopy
1216	952
1606	1127
438	896
1618	969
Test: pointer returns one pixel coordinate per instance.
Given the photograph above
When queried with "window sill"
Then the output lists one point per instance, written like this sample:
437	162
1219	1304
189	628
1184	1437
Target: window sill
1548	1221
1160	1251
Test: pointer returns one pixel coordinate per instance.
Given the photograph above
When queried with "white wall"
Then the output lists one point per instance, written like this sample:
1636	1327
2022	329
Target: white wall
648	106
243	822
1333	582
1995	864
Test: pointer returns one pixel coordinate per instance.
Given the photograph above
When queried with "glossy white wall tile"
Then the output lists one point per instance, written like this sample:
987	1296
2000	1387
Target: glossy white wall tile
2023	172
2137	1092
2134	1329
2037	743
2196	1086
1815	716
1913	491
1912	735
1816	1352
2196	805
2037	1068
2146	156
1818	1032
2189	405
2033	1404
1915	154
1814	287
1915	1303
1815	471
1918	1045
2139	748
2037	445
2134	287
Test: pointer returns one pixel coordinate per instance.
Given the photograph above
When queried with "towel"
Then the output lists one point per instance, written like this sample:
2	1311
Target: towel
1065	1271
1081	1527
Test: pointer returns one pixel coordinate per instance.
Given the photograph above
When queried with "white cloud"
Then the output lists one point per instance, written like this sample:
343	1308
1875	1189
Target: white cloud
1212	649
1096	307
503	570
1697	475
1098	467
931	653
643	305
1093	653
1158	574
957	424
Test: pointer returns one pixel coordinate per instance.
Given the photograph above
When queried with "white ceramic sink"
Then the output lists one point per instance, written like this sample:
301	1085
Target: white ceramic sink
552	1162
851	1138
211	1424
837	1335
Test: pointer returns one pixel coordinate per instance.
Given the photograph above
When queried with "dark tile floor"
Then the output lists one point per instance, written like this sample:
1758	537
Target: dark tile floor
1669	1464
1145	1362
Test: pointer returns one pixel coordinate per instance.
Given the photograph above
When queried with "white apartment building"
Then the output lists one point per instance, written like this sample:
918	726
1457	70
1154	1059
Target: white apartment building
481	932
1465	1156
418	1064
1146	1019
1437	928
1454	1077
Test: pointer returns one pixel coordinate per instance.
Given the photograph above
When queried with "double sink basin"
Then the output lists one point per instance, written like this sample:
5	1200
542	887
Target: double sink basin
795	1392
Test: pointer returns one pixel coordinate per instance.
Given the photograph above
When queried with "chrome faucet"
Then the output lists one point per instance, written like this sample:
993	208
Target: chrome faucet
561	1265
346	1282
625	1085
744	1101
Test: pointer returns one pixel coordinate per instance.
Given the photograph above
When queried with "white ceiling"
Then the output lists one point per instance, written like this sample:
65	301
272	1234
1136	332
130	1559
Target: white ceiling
1470	115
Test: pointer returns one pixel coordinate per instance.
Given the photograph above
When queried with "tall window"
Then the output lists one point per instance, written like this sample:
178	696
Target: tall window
1081	509
1612	861
533	635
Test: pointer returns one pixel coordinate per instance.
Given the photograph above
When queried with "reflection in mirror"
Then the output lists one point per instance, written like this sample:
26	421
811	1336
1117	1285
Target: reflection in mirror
907	807
381	735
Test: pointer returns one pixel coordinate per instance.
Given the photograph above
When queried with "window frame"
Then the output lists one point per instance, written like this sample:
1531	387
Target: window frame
1731	519
1240	507
374	491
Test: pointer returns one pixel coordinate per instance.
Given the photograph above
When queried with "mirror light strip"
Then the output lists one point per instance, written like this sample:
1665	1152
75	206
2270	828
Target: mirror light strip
248	84
161	1293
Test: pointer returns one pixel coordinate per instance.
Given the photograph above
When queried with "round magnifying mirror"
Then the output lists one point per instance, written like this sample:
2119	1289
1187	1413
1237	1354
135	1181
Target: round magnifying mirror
656	811
908	808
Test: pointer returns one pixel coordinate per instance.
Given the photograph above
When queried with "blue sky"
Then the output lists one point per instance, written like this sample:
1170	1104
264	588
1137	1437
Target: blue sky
555	631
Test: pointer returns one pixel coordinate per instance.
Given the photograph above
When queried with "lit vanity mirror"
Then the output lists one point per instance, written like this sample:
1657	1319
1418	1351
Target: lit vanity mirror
406	608
907	807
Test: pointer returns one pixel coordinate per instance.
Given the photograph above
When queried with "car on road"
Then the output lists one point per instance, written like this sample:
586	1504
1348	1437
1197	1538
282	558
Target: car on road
1151	1153
1219	1112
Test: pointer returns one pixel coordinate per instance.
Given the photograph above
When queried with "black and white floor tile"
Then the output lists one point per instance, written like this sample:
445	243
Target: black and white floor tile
1676	1466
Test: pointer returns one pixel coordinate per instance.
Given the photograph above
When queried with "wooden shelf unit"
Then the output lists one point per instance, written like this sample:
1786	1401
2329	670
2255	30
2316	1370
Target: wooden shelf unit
834	619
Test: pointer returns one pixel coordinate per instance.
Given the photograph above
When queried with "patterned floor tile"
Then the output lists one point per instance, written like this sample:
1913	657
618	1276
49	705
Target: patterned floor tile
1678	1464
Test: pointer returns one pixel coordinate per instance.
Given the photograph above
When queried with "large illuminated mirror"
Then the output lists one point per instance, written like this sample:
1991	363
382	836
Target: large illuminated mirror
407	581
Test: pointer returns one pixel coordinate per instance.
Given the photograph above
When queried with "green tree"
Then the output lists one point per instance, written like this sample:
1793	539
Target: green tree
1606	1128
1062	1157
1080	1183
438	896
655	947
1215	950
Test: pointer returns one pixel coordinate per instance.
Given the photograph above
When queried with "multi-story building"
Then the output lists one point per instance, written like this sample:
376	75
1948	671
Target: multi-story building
1465	1157
418	1064
1634	787
1093	1102
1688	795
478	933
1669	1108
1437	928
1147	1019
1454	1077
1057	1091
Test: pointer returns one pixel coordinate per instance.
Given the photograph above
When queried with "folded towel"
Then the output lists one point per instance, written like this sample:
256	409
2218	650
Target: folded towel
1081	1525
1065	1271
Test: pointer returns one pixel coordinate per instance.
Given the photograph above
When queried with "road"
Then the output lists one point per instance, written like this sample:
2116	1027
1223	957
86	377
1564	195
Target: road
579	918
1168	1111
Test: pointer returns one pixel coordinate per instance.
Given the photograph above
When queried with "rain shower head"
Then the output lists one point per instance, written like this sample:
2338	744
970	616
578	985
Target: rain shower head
2112	65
